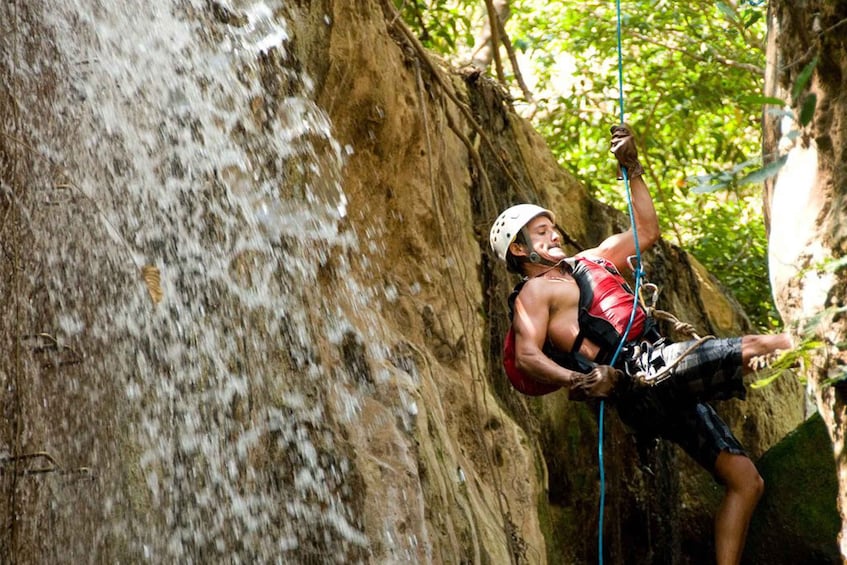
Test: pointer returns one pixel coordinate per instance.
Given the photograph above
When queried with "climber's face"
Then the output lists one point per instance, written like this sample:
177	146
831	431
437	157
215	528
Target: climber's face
545	239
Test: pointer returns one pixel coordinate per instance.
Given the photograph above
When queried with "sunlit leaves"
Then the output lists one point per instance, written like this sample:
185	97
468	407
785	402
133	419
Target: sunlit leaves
752	19
690	93
737	256
692	86
441	25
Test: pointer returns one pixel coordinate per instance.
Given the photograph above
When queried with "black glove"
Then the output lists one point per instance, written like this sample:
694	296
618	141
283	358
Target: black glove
600	382
623	146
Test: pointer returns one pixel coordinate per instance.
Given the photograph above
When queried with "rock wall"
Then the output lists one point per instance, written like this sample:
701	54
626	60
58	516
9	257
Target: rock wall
437	154
807	61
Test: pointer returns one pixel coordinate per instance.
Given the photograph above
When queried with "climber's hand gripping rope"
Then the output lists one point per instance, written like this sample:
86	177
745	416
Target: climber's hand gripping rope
623	146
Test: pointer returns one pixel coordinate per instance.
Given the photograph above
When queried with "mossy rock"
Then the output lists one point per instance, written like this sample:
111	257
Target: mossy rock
797	520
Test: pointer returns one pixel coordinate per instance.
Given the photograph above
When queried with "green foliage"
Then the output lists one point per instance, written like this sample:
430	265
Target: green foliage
738	255
692	79
804	352
441	25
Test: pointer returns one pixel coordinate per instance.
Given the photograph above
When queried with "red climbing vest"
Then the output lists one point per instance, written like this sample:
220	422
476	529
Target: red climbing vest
605	306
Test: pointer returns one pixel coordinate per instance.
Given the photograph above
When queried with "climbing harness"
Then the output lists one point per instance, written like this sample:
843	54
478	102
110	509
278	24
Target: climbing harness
644	350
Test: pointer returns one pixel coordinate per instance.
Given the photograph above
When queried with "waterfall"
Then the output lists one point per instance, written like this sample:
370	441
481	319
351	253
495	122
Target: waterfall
186	416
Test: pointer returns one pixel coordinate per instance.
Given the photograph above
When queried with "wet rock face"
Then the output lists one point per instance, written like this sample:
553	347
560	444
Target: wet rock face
320	379
171	140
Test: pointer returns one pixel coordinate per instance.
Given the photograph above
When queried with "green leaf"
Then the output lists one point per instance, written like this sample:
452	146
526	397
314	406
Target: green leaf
803	79
808	110
813	323
757	99
755	17
741	166
836	265
728	12
765	381
832	381
766	172
707	188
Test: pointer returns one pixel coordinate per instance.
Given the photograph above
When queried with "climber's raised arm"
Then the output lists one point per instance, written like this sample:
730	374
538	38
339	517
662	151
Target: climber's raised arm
620	246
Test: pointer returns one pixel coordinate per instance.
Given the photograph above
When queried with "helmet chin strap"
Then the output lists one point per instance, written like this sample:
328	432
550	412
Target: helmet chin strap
538	260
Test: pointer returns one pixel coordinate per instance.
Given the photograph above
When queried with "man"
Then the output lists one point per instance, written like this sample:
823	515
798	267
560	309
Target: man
574	310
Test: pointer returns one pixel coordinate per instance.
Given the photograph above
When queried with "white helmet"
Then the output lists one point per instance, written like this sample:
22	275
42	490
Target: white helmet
506	228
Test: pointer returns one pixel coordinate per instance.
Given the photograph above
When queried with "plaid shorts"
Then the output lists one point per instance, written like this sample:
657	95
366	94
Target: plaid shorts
676	409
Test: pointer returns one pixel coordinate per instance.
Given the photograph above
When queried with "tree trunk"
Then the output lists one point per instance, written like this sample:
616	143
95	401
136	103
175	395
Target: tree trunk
805	202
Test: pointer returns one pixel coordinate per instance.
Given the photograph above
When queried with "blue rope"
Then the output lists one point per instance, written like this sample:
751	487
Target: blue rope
638	274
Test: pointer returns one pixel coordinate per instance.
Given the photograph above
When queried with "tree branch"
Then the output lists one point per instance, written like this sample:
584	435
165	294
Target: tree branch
485	44
507	43
494	27
723	60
